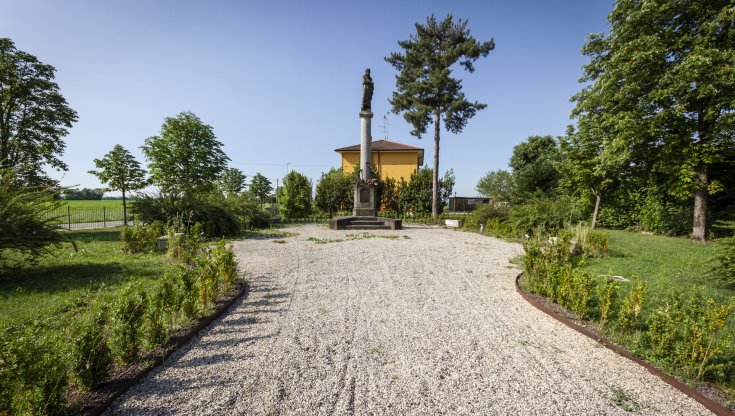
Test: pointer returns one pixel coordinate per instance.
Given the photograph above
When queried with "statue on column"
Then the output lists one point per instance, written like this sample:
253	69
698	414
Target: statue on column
367	91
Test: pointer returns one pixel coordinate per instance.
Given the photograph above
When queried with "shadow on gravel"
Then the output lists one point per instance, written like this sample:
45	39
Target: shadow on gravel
207	360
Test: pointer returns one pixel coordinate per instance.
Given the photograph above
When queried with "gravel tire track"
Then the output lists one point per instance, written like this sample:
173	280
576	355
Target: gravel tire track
423	324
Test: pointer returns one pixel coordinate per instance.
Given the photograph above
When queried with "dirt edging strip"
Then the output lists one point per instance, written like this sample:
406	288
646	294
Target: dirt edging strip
116	389
710	404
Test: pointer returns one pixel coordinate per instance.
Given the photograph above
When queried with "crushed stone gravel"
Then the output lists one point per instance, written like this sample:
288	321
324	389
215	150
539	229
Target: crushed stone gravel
423	320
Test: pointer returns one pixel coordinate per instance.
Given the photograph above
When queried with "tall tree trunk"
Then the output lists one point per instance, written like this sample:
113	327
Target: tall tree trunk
125	209
435	176
699	231
598	197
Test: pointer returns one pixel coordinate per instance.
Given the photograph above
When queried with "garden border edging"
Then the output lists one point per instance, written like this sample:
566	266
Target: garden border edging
242	291
710	404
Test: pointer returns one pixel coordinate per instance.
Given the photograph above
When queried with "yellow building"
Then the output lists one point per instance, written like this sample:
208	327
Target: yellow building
390	159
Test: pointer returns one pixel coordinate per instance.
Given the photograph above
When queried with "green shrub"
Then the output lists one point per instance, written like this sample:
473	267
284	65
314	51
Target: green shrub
154	319
663	217
216	217
127	319
583	294
27	228
142	238
544	213
225	262
664	331
725	257
33	372
182	246
630	313
189	291
608	294
92	357
208	281
485	213
589	242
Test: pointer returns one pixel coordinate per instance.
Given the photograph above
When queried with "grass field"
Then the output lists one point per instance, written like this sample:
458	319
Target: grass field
97	270
668	265
109	203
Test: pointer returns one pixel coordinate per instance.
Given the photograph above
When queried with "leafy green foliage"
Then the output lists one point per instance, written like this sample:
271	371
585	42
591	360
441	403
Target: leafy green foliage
544	213
121	172
92	357
690	335
334	192
249	214
497	185
142	238
33	374
295	196
425	89
27	230
725	257
84	194
534	167
630	313
127	321
186	157
661	86
231	181
216	217
35	116
260	187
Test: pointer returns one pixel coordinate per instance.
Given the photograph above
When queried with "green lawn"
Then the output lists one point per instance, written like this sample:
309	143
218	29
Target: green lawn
47	289
667	264
109	203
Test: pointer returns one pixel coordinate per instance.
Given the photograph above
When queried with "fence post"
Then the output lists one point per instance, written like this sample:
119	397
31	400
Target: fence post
104	217
68	217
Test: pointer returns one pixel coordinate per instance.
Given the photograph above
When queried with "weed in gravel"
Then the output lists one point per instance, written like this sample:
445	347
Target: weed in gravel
324	240
407	237
279	241
622	399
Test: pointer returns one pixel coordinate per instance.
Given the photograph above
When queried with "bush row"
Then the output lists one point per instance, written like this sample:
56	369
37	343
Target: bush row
218	215
685	334
36	369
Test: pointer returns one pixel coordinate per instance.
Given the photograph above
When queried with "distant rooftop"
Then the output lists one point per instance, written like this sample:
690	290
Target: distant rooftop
383	146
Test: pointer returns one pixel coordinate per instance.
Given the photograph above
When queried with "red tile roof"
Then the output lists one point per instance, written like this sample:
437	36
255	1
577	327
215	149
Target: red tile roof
382	146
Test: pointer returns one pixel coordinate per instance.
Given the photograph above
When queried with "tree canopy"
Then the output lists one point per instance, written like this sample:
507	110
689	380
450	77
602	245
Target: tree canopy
334	191
260	187
231	181
119	170
425	88
664	77
534	166
186	157
497	185
294	197
34	116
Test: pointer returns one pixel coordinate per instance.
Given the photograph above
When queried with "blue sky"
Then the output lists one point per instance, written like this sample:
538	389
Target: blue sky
280	82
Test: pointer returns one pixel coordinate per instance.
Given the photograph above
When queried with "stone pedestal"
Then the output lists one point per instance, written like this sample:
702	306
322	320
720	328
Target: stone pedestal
365	203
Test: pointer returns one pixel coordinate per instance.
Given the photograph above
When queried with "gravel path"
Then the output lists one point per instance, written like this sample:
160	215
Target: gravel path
426	323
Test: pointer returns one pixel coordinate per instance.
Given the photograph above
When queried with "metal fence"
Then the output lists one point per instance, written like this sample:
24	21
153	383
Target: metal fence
87	217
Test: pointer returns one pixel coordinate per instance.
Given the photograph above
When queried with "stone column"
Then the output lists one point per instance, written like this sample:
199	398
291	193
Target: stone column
366	140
